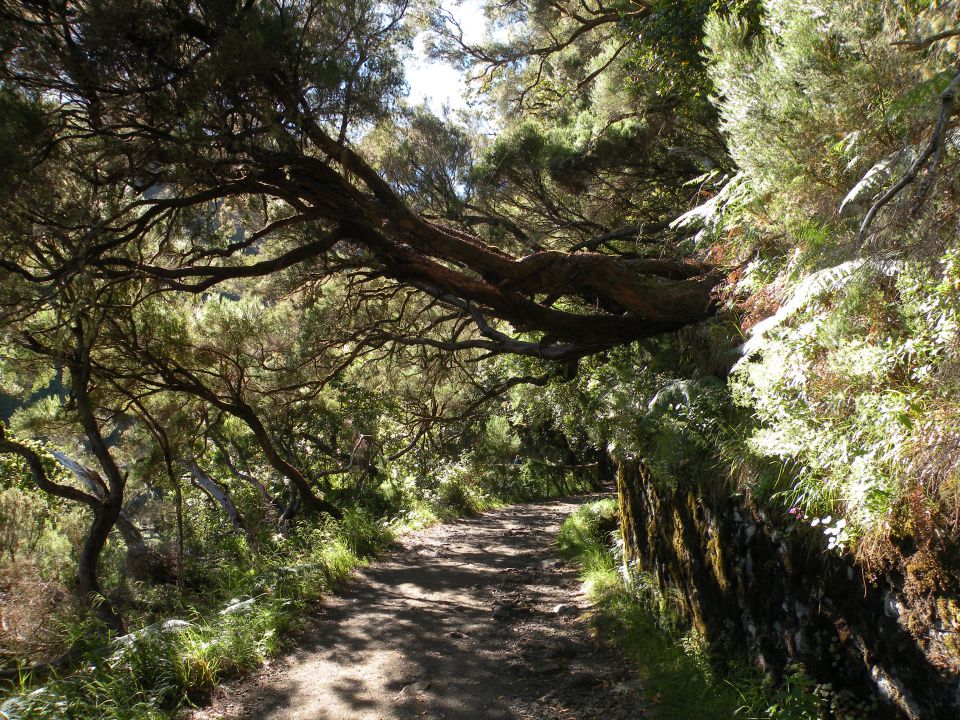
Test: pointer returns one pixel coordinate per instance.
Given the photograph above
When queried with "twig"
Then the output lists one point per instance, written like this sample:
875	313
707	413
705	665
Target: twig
924	43
933	149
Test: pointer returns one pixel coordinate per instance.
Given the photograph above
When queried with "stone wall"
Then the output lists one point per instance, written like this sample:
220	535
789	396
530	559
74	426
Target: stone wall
772	592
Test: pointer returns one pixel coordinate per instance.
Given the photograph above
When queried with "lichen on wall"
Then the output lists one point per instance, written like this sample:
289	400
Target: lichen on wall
771	593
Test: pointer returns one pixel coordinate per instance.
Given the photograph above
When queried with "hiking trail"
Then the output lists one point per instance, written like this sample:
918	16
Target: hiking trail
476	619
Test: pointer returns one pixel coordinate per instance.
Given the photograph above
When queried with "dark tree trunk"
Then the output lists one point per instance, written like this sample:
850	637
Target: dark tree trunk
143	562
308	498
108	509
290	511
105	514
88	584
178	494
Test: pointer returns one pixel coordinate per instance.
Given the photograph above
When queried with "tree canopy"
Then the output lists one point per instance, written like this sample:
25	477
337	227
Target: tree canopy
237	265
214	142
228	203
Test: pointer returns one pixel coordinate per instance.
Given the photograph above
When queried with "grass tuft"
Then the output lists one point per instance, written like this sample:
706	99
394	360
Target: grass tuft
167	667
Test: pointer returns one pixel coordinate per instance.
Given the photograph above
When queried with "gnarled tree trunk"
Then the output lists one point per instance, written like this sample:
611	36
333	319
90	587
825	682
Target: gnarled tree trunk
143	562
88	585
202	480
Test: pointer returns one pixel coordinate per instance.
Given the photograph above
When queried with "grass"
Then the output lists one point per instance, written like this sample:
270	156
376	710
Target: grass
167	670
676	665
169	667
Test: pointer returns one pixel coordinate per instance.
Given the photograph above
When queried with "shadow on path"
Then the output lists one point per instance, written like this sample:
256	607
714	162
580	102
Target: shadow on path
475	619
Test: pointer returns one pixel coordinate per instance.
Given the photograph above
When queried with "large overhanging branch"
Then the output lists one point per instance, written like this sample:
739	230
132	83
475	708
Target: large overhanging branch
624	299
631	298
579	302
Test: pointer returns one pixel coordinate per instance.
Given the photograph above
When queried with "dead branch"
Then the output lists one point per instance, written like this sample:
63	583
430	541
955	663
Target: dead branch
933	149
923	43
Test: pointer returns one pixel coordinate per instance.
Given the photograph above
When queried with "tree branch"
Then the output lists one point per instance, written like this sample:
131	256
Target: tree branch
39	473
933	149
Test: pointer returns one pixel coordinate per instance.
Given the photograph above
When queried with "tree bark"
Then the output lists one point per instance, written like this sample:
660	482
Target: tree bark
290	510
108	510
247	477
104	517
219	494
311	502
143	562
179	379
88	585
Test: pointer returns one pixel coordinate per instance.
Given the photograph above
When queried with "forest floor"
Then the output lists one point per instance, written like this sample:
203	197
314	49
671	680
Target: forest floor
473	619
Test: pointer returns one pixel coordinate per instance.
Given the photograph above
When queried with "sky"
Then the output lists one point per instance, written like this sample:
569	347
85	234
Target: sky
438	83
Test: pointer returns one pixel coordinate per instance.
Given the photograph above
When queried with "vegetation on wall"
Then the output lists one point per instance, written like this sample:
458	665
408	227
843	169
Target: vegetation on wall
643	618
256	311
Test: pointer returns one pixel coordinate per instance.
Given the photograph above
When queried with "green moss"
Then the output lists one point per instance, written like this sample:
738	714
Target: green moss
675	662
715	559
948	610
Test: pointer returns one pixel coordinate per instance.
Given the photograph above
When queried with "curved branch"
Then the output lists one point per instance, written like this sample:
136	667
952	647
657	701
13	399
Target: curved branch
212	275
933	149
922	43
39	473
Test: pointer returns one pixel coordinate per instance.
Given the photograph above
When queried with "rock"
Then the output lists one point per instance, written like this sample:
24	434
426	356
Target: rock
238	607
891	605
14	708
126	643
627	687
412	689
583	680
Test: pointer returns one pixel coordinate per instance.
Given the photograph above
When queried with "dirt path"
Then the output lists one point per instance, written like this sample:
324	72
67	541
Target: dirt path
477	619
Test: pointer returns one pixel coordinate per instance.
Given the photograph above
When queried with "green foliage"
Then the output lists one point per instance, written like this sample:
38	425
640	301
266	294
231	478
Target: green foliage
22	126
240	618
804	102
850	349
765	118
585	536
842	388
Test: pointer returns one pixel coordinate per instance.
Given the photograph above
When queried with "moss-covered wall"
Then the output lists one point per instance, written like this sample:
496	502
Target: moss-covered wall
773	593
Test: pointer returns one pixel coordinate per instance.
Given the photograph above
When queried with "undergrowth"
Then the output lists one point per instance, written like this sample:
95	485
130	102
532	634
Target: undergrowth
159	668
678	669
236	611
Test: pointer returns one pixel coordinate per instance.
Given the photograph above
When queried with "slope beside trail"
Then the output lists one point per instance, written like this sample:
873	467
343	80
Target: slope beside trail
474	619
